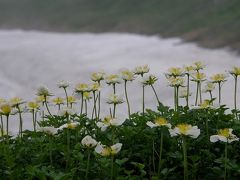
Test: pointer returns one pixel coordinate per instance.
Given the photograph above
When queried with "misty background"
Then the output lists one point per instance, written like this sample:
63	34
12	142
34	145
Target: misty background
43	42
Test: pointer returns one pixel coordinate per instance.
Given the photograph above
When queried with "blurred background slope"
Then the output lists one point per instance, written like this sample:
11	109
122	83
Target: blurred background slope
211	23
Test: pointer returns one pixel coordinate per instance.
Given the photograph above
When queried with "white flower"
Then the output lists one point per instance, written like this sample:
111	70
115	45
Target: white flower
95	87
97	76
115	99
48	129
159	122
71	125
63	84
184	93
176	81
80	88
149	80
140	70
89	142
108	121
174	72
43	91
108	151
65	111
113	79
185	129
127	75
224	135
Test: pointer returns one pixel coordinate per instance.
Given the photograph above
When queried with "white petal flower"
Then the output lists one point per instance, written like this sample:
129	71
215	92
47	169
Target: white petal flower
97	76
88	141
115	99
43	91
186	130
48	129
108	121
159	122
140	70
116	148
127	75
224	135
113	79
71	125
66	111
63	84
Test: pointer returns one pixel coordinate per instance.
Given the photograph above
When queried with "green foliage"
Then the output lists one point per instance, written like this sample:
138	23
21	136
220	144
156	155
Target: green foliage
30	157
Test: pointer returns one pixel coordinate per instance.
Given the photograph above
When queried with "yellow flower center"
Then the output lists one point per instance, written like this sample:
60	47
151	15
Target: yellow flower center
71	99
161	121
6	109
33	105
106	151
71	126
224	132
58	100
183	128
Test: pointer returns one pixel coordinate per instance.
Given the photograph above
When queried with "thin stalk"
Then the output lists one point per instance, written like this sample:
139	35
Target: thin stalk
126	95
143	100
210	93
85	101
99	102
1	124
50	150
114	110
20	121
7	117
45	101
219	93
33	119
185	158
114	88
196	101
160	154
188	82
59	107
88	162
235	96
177	97
43	111
153	155
112	161
155	94
81	104
65	90
200	92
95	104
225	163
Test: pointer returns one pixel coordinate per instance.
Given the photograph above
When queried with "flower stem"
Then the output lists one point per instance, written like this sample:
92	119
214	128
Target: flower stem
33	119
196	100
50	150
225	163
65	90
175	98
188	81
1	124
88	162
20	121
99	101
200	92
7	124
85	101
219	93
126	95
160	154
155	94
235	96
45	101
143	103
185	158
112	160
114	110
211	97
81	104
